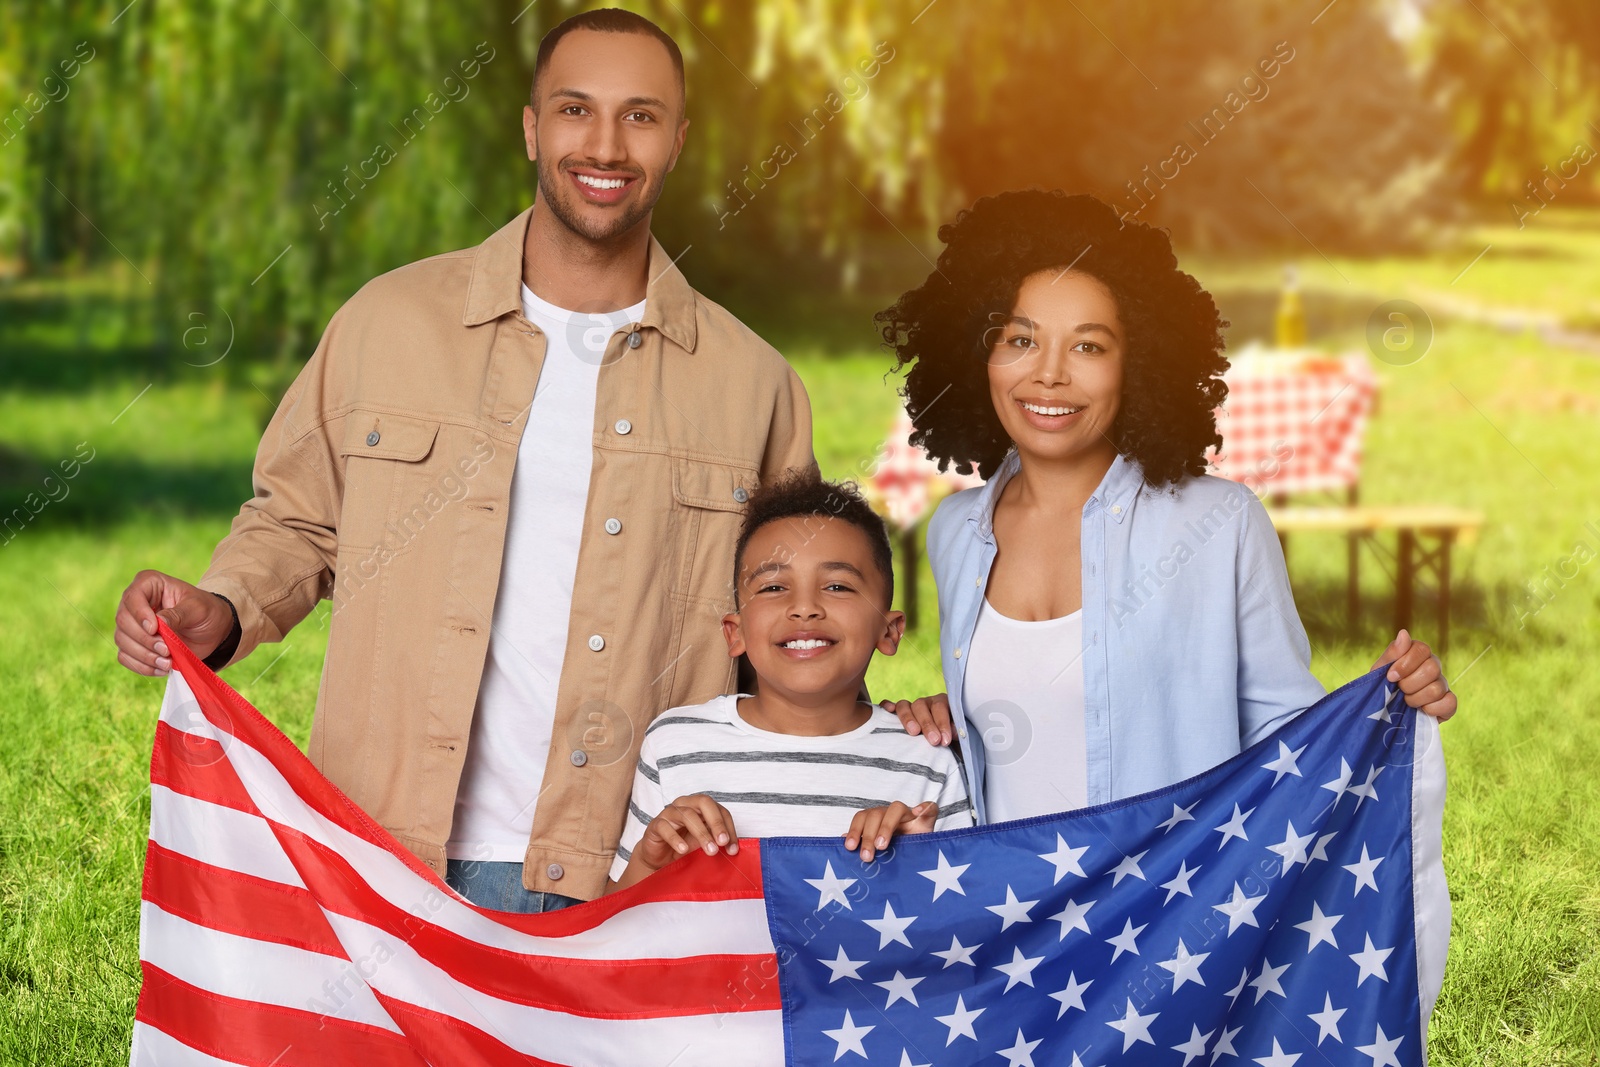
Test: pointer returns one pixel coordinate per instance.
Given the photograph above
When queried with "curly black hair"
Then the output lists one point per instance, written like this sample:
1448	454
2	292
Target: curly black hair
1172	360
803	493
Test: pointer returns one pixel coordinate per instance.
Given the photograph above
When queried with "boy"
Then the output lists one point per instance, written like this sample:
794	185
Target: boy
813	581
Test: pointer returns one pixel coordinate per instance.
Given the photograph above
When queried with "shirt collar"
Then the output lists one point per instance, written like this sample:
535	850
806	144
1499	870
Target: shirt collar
496	286
1115	492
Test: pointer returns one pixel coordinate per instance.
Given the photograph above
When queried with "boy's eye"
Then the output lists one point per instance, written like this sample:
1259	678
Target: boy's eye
839	586
769	587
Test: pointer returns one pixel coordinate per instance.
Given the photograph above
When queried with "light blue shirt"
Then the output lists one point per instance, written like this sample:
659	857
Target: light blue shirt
1192	648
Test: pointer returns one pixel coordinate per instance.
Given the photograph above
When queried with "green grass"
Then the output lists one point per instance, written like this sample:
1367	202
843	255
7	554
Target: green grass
1495	421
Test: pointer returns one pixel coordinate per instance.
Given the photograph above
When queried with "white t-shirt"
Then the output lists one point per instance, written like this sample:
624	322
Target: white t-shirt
786	785
1024	694
515	714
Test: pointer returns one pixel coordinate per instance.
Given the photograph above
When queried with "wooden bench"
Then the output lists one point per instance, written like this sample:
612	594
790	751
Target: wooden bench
1414	525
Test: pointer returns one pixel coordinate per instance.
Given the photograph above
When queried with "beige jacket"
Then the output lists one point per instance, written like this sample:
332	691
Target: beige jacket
382	482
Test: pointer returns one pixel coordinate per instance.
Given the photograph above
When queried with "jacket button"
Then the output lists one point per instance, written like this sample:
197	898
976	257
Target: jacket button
579	757
596	642
741	495
373	438
634	340
623	426
554	872
613	526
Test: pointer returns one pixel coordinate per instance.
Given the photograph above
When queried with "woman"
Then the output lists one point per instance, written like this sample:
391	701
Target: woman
1113	618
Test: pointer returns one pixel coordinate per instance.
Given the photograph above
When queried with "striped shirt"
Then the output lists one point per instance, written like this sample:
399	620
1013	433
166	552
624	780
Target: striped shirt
779	785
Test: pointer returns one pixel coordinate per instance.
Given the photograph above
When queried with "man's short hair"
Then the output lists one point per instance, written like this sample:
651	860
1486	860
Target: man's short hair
605	20
802	493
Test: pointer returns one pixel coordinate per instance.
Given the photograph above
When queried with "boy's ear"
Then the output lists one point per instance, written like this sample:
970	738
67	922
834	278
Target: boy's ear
732	634
894	629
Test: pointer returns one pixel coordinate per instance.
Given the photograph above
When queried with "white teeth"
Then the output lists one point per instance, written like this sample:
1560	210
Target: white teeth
811	642
600	183
1039	409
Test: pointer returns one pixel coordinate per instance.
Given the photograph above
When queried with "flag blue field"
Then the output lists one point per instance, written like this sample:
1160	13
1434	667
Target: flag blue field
1287	907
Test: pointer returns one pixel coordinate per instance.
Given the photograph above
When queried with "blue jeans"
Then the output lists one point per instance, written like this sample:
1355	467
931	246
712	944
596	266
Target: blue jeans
498	886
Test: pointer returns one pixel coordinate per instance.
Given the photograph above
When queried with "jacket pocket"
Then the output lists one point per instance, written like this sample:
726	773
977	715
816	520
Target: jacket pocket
385	467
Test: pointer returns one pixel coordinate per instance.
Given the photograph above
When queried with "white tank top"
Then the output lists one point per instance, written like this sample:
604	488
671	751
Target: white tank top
1024	695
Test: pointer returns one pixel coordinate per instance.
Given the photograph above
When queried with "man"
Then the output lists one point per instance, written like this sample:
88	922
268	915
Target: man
523	511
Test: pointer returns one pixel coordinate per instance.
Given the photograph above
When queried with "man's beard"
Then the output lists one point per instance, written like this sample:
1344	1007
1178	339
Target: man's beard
563	201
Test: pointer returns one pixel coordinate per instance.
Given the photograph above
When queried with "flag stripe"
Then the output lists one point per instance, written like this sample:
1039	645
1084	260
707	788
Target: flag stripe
236	903
220	836
242	1030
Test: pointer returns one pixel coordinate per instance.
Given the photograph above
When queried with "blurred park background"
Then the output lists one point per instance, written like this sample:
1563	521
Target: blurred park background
188	191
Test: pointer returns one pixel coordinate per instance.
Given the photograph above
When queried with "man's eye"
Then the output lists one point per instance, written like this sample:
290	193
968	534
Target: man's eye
572	109
643	115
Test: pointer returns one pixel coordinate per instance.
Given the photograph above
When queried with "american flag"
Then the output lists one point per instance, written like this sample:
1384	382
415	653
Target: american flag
1286	907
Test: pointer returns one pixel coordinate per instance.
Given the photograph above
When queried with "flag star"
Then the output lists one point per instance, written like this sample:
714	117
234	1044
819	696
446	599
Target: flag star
900	988
1363	870
1185	967
1071	917
842	966
1234	827
1233	994
958	953
1129	865
1366	791
1292	848
1013	910
891	927
1195	1046
945	876
905	1060
1321	851
1072	996
1076	1062
849	1037
1020	969
1382	714
1267	981
960	1022
1241	910
1279	1058
830	887
1340	784
1134	1027
1224	1046
1382	1050
1178	815
1021	1053
1319	927
1370	960
1065	858
1327	1020
1180	882
1124	942
1285	763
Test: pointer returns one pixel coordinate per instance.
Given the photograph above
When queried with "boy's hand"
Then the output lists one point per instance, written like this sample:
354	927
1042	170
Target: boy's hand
1416	670
687	823
873	828
928	716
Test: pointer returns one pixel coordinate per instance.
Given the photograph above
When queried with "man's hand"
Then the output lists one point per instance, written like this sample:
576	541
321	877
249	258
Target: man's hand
928	716
202	620
873	828
687	823
1416	670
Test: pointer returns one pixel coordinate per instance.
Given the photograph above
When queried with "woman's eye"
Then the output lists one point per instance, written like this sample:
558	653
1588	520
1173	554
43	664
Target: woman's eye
1088	346
1021	340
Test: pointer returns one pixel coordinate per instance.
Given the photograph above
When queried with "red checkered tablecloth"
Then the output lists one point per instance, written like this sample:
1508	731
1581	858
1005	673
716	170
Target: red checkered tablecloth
1294	421
904	483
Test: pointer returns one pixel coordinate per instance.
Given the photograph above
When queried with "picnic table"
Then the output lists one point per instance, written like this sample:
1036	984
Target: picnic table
1293	424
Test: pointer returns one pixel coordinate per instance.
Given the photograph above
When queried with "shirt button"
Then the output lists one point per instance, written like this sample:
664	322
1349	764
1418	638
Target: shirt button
623	426
634	340
373	438
740	495
961	733
1116	509
958	653
596	642
613	526
579	757
554	872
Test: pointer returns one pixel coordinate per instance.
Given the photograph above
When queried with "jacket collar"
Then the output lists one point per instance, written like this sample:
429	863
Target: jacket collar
1114	494
496	286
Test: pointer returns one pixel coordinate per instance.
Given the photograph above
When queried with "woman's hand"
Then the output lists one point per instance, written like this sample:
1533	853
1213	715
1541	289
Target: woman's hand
687	823
873	828
928	716
1418	673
